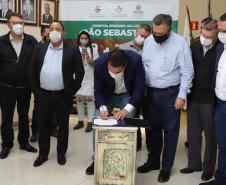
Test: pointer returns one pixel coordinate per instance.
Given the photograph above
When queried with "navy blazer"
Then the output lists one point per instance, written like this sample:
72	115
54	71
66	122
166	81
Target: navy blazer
220	50
134	77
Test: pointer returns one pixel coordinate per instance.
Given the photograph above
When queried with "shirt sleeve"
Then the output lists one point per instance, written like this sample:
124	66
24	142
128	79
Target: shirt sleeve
186	69
129	108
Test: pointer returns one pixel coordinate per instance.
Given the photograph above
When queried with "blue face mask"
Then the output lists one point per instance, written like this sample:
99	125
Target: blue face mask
84	42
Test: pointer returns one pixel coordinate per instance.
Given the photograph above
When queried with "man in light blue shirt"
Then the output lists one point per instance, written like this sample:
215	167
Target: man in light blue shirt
169	72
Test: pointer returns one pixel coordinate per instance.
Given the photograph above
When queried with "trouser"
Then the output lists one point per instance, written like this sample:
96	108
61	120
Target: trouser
49	102
164	119
201	118
117	101
34	125
145	113
81	108
220	121
9	98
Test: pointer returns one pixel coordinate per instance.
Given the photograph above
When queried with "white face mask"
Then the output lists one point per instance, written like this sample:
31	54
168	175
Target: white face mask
206	42
18	29
139	40
55	36
84	42
222	37
116	76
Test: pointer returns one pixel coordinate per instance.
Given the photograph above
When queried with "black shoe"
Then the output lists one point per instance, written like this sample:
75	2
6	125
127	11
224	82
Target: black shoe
89	127
189	170
164	176
147	167
206	176
209	183
40	160
4	153
28	148
90	169
79	125
61	159
34	138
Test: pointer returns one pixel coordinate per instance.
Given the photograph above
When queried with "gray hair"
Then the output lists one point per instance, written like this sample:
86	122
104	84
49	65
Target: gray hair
146	27
163	19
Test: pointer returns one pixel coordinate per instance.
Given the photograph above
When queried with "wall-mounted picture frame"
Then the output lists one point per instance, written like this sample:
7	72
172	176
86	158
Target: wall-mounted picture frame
28	8
6	8
48	11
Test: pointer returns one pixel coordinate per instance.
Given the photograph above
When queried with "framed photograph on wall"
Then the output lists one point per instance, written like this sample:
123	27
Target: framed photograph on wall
6	7
48	12
28	8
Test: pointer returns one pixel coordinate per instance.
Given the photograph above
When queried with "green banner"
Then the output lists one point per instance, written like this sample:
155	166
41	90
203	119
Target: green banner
120	30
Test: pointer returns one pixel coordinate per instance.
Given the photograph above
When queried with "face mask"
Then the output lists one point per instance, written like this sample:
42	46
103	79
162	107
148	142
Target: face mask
205	42
139	40
161	39
116	76
55	36
83	42
222	37
18	29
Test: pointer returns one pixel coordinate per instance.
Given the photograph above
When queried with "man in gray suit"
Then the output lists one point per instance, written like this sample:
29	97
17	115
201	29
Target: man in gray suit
5	11
28	11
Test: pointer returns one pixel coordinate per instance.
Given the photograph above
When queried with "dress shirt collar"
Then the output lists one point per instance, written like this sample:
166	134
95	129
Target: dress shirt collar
12	39
51	46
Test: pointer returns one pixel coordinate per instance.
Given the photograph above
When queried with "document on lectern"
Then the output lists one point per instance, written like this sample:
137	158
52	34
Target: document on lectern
108	122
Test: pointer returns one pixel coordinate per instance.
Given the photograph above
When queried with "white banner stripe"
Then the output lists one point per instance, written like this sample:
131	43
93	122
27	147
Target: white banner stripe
121	10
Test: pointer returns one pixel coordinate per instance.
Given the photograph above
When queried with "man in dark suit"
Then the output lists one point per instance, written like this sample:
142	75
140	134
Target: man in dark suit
200	117
119	82
47	17
220	109
28	12
16	50
56	74
5	11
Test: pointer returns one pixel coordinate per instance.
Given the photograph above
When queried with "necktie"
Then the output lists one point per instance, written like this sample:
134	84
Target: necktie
3	14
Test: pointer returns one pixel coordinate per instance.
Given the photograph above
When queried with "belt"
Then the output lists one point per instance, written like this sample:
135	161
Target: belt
120	94
50	91
12	86
164	89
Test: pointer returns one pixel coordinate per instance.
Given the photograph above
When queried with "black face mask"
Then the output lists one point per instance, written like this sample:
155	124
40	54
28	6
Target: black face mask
161	39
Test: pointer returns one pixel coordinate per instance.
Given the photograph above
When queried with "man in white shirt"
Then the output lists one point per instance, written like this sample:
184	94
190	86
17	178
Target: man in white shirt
220	109
169	72
119	81
56	74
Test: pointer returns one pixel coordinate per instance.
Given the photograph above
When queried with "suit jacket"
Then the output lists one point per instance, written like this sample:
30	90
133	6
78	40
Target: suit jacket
72	67
7	13
29	17
134	77
202	90
49	20
14	70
